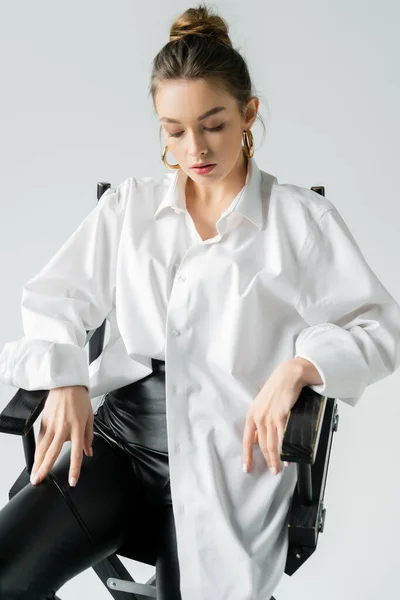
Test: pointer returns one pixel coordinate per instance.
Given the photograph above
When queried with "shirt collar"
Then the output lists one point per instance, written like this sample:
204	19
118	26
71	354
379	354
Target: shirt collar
248	202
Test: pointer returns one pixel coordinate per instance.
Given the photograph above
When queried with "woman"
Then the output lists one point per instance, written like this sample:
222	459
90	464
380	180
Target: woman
247	290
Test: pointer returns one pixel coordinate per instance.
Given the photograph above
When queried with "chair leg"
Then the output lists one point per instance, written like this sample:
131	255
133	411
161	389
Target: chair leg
113	567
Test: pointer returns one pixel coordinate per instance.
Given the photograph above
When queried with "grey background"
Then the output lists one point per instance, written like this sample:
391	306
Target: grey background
74	110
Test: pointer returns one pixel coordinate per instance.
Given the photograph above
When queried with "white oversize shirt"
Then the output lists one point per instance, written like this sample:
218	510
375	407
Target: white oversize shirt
282	278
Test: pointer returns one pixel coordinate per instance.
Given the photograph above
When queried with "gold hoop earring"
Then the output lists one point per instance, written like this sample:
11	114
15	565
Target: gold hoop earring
248	143
166	163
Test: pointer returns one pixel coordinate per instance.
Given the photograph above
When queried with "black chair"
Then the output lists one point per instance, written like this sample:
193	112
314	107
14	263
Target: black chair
307	442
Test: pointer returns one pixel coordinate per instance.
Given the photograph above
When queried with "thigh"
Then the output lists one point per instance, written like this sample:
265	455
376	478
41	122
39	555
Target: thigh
49	533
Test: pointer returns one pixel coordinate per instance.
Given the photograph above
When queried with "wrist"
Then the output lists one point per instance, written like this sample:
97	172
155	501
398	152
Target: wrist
306	372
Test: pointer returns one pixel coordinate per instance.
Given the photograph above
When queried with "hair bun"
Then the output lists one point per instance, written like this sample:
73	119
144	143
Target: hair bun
200	21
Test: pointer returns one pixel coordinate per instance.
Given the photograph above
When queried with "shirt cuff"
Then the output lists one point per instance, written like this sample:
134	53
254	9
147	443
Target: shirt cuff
33	364
338	360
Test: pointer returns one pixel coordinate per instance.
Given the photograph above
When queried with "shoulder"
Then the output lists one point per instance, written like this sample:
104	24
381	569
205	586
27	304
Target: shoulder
297	201
146	184
295	209
293	213
144	192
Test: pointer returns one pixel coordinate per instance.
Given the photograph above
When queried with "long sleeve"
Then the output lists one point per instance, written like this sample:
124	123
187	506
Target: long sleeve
72	294
353	333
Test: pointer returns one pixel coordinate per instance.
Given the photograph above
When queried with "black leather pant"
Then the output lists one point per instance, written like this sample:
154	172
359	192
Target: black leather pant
122	503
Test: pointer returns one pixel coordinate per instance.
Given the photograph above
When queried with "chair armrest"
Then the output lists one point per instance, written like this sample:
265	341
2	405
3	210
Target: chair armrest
18	418
303	427
22	411
307	441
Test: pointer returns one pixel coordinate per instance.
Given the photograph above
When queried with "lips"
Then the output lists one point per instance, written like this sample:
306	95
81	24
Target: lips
202	166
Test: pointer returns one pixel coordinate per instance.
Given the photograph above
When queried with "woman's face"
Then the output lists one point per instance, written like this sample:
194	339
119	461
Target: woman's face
194	137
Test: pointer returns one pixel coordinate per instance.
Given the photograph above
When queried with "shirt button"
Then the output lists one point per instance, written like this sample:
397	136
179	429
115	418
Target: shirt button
175	332
177	447
174	388
182	278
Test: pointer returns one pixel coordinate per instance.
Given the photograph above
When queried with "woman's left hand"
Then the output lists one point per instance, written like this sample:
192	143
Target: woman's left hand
267	416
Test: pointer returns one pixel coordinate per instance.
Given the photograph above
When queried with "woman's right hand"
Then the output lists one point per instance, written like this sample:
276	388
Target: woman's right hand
67	415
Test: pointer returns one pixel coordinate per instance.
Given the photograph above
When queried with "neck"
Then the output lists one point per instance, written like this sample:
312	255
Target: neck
220	194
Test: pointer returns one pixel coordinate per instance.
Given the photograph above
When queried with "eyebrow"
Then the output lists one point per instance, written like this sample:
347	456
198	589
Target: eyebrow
212	111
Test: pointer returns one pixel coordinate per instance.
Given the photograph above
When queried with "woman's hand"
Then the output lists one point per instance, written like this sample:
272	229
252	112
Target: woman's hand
267	416
67	415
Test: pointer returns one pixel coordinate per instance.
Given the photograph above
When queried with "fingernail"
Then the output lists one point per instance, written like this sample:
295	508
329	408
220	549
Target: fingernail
286	463
274	471
90	451
244	468
72	482
34	478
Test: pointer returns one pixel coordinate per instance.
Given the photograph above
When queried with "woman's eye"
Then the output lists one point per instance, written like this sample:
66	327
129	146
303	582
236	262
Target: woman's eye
206	128
214	128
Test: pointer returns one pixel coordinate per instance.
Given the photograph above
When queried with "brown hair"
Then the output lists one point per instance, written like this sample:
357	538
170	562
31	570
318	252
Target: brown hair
199	47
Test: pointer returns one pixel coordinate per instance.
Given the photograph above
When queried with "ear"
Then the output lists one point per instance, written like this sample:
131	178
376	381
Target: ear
251	112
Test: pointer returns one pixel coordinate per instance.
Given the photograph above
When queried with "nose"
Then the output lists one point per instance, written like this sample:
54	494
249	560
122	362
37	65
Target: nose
197	146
